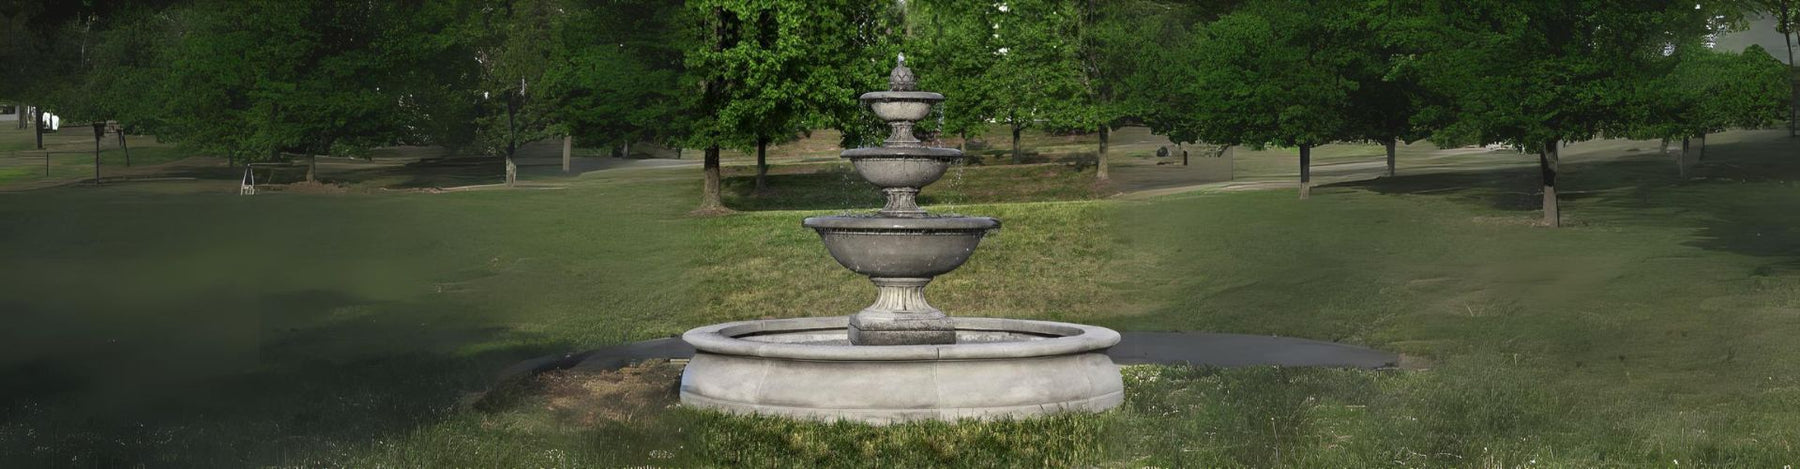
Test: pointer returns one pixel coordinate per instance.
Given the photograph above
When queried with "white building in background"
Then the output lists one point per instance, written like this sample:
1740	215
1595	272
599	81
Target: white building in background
1761	32
14	113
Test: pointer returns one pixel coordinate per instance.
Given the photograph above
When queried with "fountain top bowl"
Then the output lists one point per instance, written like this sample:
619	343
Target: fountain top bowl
901	96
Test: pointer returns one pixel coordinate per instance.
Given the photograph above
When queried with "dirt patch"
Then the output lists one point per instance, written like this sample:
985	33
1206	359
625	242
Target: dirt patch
711	212
1509	220
623	395
1529	220
314	187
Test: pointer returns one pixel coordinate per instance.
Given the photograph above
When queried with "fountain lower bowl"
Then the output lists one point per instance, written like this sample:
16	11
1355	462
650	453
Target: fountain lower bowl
805	368
901	247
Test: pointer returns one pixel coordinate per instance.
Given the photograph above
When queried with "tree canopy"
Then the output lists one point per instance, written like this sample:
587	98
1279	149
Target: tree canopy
258	79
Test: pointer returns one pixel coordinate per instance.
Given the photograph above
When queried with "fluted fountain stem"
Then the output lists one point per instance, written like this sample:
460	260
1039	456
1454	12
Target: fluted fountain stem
901	295
901	136
902	202
901	316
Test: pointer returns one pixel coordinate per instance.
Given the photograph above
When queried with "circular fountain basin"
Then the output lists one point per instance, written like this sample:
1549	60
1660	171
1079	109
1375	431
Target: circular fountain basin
805	368
901	247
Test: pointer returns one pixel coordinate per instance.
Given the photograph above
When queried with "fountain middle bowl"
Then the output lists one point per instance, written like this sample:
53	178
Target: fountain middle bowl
901	247
890	167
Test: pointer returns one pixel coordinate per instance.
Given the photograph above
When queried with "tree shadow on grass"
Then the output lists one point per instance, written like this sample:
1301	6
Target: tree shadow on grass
287	378
1510	189
1739	199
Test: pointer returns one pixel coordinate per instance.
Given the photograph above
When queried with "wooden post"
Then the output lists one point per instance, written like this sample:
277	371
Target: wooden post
568	149
123	146
99	131
1305	171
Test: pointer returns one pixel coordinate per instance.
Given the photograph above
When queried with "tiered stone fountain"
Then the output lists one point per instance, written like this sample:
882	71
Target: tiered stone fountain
900	358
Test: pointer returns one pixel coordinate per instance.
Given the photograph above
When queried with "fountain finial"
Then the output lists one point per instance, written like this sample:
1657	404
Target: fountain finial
902	78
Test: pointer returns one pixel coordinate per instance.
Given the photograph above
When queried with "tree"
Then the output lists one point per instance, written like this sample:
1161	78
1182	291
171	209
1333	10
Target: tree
1018	63
768	69
1274	72
1129	52
514	45
1390	104
1786	14
616	74
1110	46
1699	91
258	78
951	45
1538	75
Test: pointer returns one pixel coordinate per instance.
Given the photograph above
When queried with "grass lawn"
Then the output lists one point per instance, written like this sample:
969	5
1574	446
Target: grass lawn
171	328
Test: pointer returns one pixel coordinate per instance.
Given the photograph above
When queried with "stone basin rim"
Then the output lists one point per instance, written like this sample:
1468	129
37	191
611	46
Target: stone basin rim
907	96
946	223
932	153
1064	339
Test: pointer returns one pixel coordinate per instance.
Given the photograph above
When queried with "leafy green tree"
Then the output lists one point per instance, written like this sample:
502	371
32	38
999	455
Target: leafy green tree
1786	14
514	43
1537	75
1274	72
770	69
616	73
1702	91
1018	63
951	46
1390	104
1113	48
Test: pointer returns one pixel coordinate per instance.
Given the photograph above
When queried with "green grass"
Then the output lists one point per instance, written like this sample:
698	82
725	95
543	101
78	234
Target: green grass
172	328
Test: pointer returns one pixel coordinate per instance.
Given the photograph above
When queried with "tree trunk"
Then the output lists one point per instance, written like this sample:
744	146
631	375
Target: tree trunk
568	152
1018	157
625	150
1547	163
312	167
99	132
709	199
1305	171
124	147
1101	173
762	164
1702	155
1793	88
22	114
37	118
1390	144
1184	154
